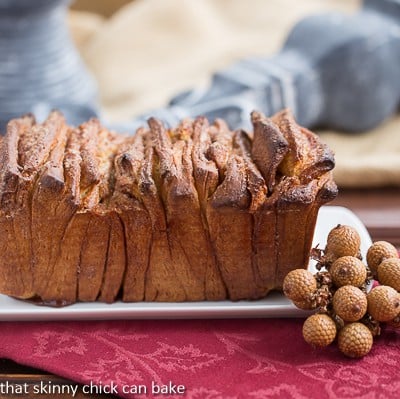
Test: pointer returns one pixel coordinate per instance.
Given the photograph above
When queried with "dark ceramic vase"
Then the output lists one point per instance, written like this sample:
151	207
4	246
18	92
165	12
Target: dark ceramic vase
40	68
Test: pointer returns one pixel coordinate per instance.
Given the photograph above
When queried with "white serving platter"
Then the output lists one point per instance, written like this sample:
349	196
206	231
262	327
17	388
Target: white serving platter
274	305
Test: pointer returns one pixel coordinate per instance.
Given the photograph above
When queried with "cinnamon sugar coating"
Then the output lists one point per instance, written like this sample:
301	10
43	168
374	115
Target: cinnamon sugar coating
192	213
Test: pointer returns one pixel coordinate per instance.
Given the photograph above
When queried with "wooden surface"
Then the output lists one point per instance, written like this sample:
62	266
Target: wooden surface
379	210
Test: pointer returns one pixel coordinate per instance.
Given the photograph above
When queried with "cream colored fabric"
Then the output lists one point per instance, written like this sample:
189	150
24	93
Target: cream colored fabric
83	26
150	50
370	159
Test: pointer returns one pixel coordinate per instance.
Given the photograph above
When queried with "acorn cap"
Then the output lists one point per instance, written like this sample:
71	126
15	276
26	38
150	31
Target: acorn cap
350	303
355	340
343	241
348	270
389	273
383	303
379	251
319	330
299	285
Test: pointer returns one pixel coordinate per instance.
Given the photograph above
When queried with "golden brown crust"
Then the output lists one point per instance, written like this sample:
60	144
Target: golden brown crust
297	157
136	223
187	214
90	172
323	158
161	273
308	157
115	261
37	143
220	148
255	182
72	166
205	170
15	238
93	256
206	176
138	241
268	149
52	211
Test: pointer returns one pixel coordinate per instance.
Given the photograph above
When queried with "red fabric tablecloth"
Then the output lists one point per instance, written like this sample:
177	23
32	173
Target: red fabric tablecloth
212	359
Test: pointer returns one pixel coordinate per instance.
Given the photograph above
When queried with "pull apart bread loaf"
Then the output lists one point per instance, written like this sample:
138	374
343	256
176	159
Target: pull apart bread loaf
187	214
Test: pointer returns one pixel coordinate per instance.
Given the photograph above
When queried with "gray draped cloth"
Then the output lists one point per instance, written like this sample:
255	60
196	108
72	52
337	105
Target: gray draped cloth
150	50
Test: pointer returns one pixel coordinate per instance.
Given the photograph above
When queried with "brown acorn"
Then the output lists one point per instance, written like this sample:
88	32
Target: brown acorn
319	330
383	303
355	340
350	303
348	270
299	285
389	273
342	241
379	251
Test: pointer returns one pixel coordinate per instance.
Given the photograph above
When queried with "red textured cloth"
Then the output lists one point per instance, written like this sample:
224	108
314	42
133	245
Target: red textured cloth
213	359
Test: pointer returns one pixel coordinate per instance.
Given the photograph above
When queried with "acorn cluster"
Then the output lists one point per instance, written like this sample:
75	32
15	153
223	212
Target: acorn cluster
344	309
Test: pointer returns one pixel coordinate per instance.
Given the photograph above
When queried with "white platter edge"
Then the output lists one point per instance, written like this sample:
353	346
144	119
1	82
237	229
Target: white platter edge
273	306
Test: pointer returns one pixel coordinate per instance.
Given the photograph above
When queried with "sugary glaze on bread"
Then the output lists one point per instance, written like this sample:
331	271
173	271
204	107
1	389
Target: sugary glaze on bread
187	214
